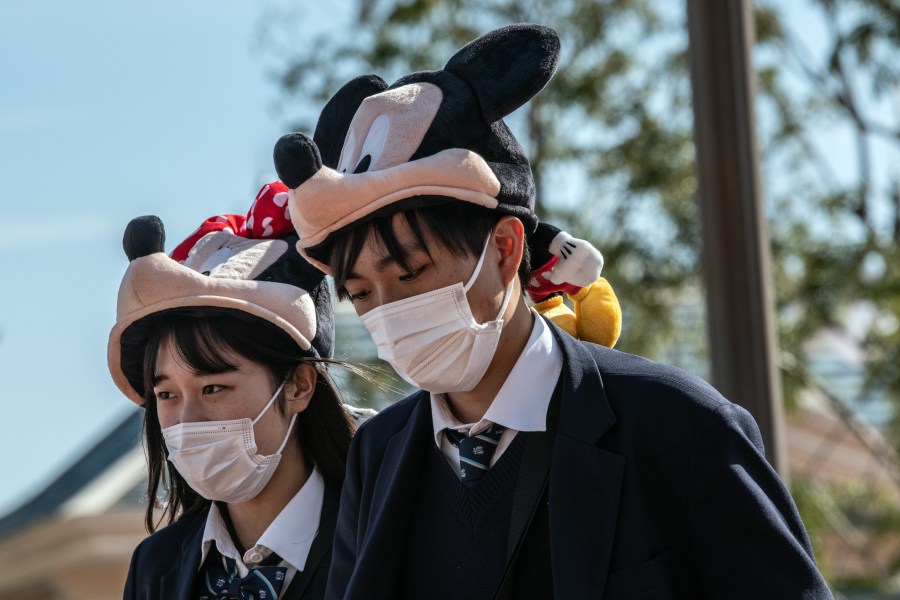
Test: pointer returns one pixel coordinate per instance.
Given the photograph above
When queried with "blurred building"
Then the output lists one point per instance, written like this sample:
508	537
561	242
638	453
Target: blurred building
846	478
73	540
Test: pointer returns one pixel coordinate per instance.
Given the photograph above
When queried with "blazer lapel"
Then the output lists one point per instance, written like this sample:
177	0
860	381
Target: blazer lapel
178	584
380	556
585	481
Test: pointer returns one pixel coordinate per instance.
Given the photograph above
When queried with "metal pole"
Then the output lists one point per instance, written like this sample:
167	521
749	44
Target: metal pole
736	266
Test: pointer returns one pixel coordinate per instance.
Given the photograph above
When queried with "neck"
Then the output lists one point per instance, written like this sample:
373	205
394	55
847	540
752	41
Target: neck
251	519
469	407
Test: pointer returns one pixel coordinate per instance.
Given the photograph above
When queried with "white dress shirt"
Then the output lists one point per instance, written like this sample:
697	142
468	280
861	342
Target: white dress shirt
520	405
290	535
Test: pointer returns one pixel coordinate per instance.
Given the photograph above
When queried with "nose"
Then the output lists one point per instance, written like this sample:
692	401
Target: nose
380	298
188	412
376	298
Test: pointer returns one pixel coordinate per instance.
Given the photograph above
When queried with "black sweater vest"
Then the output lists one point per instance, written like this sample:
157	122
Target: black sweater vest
458	536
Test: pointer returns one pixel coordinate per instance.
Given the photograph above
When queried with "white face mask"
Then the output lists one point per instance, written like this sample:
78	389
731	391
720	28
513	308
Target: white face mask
433	341
218	459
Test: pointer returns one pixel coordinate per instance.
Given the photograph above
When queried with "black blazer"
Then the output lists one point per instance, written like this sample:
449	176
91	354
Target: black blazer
658	489
164	566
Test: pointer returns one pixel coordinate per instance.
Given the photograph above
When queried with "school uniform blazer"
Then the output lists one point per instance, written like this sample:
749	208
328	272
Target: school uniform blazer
165	565
658	489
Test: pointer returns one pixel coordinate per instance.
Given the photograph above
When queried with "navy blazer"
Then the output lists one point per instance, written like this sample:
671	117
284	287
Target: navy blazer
659	488
165	565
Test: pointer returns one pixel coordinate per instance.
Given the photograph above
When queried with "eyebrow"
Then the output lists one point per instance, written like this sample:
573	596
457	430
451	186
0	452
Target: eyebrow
161	377
382	263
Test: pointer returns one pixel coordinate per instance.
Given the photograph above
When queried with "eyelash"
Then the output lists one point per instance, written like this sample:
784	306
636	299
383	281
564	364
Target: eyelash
165	395
415	273
406	277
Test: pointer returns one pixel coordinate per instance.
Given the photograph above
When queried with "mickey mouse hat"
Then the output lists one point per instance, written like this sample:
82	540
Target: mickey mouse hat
232	263
429	137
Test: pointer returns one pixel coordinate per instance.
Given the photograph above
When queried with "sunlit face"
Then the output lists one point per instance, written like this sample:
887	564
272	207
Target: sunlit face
183	396
378	279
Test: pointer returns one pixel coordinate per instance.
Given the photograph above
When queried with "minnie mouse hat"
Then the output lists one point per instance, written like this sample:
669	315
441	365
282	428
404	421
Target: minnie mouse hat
430	137
237	263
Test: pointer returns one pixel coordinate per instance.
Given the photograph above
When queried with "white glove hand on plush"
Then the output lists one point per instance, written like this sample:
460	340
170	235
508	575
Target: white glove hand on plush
579	263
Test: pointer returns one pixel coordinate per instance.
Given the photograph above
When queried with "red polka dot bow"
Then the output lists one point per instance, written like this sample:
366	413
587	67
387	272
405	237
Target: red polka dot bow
268	218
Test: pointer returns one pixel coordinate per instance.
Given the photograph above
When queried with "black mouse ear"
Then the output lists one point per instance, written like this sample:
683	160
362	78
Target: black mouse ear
334	122
296	159
507	67
144	236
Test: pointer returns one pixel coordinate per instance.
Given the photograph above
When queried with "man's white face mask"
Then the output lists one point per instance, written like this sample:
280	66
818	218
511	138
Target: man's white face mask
433	341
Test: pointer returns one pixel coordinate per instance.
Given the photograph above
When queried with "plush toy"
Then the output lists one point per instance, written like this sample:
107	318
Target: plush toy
564	264
231	262
436	135
246	265
429	137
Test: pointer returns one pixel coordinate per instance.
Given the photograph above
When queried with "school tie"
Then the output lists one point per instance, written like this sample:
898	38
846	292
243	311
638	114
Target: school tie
222	581
475	452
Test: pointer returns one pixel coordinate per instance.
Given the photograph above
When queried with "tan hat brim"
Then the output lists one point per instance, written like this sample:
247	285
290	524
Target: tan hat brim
329	201
156	283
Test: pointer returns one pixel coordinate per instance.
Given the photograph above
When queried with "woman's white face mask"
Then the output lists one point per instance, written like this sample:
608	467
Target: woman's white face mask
433	341
218	459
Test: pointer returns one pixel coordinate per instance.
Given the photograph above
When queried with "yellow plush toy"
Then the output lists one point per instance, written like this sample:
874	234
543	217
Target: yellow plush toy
564	264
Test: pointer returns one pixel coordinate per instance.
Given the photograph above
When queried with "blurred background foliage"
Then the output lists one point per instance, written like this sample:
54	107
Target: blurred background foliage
611	145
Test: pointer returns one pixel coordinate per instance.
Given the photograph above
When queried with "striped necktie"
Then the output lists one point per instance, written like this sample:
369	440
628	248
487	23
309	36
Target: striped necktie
475	452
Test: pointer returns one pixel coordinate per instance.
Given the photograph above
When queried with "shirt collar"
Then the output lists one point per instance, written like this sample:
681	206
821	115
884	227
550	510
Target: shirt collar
521	404
290	535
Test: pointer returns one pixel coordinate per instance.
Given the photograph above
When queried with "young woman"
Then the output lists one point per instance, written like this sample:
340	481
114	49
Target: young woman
246	438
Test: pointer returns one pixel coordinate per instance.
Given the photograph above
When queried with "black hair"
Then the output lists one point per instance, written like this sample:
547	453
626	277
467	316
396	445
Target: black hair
324	429
461	227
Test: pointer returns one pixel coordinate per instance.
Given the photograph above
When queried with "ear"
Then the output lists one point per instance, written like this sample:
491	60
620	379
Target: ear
334	122
509	238
299	390
296	159
507	67
144	236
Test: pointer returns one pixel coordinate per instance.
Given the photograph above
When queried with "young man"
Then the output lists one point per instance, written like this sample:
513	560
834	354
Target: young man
530	464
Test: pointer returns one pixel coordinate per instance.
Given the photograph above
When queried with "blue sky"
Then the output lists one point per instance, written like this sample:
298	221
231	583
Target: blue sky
108	110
